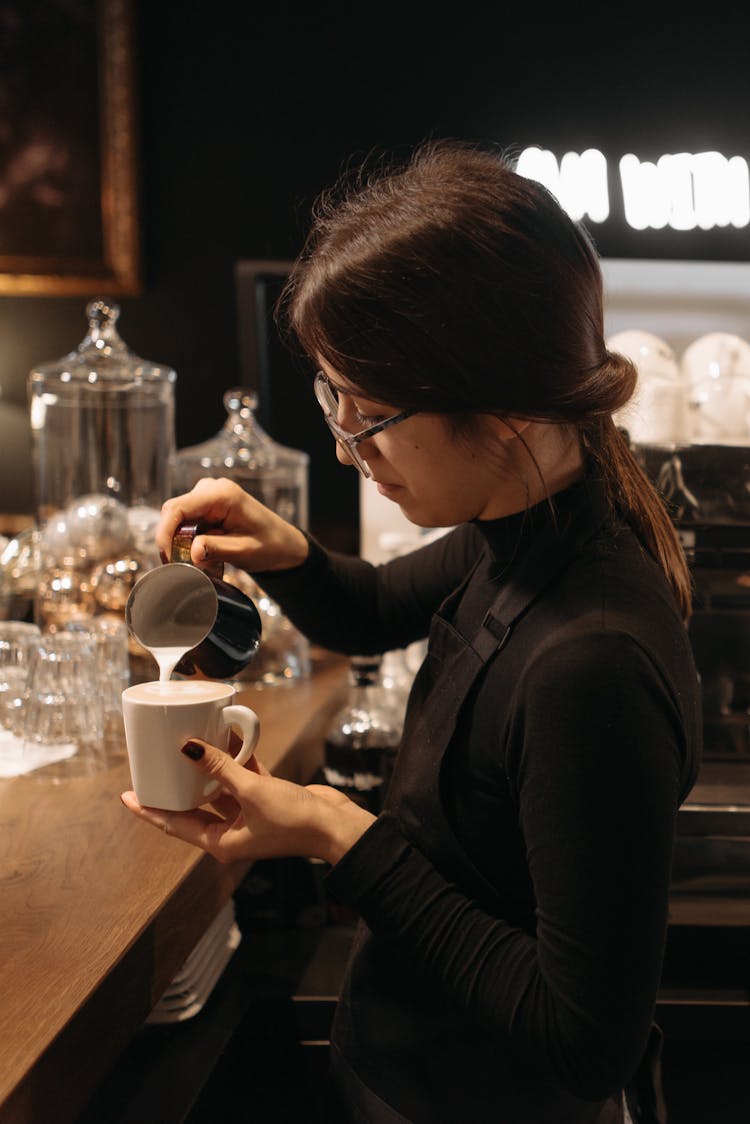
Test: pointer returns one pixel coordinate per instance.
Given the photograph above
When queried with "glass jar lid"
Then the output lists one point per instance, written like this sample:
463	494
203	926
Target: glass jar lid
102	359
242	446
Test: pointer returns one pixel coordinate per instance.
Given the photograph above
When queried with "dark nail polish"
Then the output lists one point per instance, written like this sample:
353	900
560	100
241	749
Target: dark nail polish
163	556
193	751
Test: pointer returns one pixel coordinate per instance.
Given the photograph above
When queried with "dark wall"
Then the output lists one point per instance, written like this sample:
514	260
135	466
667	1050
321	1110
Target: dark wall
246	110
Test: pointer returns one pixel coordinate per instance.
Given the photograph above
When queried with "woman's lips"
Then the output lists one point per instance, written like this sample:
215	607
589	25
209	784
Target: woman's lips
387	489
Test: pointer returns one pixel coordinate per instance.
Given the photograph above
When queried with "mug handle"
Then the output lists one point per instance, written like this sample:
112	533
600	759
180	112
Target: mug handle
249	724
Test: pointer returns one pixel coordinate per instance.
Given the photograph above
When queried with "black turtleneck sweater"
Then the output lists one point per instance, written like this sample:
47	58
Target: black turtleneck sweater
561	784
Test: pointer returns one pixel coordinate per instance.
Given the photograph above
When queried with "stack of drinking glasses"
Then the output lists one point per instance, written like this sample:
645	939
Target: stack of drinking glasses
60	697
18	641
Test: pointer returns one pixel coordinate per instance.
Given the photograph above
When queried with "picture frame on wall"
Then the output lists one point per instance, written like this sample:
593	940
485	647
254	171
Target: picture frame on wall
69	219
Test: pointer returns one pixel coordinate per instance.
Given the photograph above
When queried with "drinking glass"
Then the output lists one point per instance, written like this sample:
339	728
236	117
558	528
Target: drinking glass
109	636
18	640
63	706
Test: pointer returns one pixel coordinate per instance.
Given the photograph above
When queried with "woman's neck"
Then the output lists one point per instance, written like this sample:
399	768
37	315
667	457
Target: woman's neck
546	459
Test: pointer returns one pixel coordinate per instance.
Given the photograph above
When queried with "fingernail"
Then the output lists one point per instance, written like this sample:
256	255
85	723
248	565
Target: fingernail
163	556
193	751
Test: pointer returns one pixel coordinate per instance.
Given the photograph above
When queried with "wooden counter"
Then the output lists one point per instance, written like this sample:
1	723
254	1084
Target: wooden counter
98	913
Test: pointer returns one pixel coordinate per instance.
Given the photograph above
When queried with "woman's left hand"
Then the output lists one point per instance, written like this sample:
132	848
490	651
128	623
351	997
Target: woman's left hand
258	816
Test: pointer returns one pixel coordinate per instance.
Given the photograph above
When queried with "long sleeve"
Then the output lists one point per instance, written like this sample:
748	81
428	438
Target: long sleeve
593	751
349	605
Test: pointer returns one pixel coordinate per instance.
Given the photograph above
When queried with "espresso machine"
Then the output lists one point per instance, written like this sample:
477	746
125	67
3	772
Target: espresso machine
707	489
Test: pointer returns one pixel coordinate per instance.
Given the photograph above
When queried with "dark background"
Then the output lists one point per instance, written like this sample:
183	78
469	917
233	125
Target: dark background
245	111
248	108
47	89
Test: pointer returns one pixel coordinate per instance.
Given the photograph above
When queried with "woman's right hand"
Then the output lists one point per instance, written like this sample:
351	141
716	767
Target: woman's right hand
247	534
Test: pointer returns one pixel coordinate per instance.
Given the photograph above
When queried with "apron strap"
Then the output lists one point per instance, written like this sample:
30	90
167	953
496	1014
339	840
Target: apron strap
548	555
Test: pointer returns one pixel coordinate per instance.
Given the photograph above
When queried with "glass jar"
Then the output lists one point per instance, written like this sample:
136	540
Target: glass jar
102	425
242	451
277	476
102	422
284	653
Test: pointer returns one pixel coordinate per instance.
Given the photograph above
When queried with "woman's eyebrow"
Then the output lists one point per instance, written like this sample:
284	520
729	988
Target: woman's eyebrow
354	392
351	392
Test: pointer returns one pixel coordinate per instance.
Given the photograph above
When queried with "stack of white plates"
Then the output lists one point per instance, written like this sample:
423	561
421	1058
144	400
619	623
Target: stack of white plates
191	987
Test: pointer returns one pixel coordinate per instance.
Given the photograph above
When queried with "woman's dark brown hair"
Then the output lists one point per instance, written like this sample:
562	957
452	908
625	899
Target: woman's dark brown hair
452	284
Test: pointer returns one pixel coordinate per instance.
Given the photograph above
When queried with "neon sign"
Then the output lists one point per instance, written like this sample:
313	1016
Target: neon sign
684	190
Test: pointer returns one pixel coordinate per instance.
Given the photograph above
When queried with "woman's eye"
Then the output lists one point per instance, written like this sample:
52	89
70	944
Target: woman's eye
367	420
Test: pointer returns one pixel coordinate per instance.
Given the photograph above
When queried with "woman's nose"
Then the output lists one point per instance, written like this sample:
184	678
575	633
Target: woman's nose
343	454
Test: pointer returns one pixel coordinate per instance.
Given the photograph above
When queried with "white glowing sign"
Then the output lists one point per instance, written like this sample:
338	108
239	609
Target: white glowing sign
684	191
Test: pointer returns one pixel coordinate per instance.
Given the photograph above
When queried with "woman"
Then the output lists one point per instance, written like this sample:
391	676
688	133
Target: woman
514	891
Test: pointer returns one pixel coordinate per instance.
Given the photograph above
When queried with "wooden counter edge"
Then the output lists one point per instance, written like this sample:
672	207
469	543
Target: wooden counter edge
64	1078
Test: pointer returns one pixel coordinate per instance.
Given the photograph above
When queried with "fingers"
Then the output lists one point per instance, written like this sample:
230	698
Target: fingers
200	828
256	766
196	826
210	500
238	550
252	764
219	765
150	815
242	531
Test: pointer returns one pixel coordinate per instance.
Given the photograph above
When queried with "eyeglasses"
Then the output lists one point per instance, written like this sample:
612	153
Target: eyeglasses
328	399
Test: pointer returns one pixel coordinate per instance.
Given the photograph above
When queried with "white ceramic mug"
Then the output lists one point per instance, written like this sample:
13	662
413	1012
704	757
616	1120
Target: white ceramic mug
160	718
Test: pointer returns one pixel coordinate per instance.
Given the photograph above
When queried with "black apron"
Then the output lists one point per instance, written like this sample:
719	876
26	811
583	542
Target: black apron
451	668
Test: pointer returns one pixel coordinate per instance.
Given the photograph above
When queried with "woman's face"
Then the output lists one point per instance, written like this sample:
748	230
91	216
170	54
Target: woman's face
436	477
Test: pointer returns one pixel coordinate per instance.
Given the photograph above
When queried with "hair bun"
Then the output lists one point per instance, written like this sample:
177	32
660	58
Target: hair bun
618	379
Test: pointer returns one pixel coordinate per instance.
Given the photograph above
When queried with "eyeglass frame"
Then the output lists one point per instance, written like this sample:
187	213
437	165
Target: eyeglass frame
327	401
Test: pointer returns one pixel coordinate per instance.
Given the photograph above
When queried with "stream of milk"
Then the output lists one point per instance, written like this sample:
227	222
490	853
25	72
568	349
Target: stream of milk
167	660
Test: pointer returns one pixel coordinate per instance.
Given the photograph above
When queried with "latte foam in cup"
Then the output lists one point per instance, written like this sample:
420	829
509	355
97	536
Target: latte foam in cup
160	717
179	691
